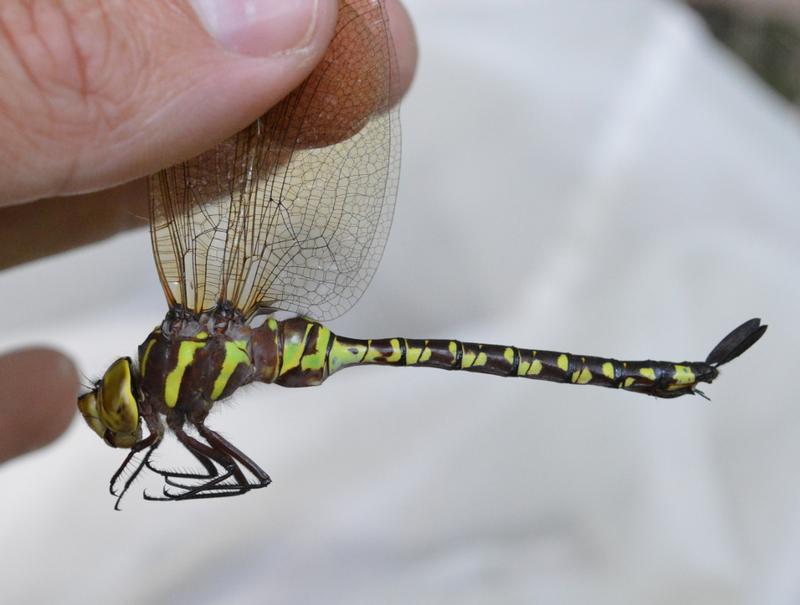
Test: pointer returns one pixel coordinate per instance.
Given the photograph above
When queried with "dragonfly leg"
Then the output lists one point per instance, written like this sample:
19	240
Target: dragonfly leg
214	484
150	443
208	465
219	443
209	480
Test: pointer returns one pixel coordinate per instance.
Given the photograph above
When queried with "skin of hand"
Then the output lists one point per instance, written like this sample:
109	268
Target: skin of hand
96	95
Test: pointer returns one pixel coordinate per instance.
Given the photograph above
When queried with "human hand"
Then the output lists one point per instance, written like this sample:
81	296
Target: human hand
100	93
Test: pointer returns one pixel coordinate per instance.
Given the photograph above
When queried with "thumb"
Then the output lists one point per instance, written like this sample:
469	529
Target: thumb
99	92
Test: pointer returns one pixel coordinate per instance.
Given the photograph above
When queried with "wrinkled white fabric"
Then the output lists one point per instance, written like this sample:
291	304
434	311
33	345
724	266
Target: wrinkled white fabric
595	177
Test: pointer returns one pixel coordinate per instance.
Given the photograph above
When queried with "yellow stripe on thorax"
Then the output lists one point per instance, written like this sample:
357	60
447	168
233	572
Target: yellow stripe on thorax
235	354
186	353
143	361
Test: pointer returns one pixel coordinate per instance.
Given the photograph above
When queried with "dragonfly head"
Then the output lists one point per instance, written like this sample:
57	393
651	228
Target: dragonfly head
111	409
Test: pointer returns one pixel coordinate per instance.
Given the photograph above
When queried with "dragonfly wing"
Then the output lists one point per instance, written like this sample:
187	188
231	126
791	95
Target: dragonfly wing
293	212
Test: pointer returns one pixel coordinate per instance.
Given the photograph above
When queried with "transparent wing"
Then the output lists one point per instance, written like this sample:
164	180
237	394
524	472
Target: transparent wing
293	212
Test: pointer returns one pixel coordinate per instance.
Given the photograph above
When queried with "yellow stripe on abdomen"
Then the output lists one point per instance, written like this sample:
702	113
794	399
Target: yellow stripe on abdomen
293	349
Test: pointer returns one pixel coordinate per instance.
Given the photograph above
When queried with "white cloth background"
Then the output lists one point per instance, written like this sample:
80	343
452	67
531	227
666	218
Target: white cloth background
596	177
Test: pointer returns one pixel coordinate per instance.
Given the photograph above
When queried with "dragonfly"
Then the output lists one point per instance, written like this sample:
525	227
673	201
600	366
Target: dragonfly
275	230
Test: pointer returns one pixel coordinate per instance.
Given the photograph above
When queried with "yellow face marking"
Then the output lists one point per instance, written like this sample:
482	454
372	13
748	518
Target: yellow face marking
87	404
272	324
522	369
536	368
235	354
186	352
648	373
562	362
581	376
608	370
683	375
481	359
143	360
629	381
315	360
342	355
508	355
117	407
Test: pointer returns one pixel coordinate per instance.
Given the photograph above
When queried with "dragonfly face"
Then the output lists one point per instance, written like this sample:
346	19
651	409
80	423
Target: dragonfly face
111	409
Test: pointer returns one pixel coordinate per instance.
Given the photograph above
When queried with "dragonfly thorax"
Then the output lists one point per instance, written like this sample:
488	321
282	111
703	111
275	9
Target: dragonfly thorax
184	365
192	360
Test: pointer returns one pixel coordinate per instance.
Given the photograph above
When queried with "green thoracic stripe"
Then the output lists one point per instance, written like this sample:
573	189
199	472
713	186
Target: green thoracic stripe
186	353
235	354
146	355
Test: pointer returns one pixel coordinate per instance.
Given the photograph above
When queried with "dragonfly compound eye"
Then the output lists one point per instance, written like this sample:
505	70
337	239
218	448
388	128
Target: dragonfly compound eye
112	409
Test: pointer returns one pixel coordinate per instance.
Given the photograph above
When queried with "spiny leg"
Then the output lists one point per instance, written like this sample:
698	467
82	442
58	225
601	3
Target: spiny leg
206	454
150	443
219	443
226	455
229	457
208	465
195	448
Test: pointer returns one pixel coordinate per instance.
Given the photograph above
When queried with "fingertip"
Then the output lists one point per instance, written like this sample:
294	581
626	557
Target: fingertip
38	387
405	42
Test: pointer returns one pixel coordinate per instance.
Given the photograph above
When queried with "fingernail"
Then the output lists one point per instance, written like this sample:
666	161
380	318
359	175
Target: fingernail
259	28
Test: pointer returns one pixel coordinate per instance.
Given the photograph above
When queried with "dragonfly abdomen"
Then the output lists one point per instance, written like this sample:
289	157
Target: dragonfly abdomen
300	352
